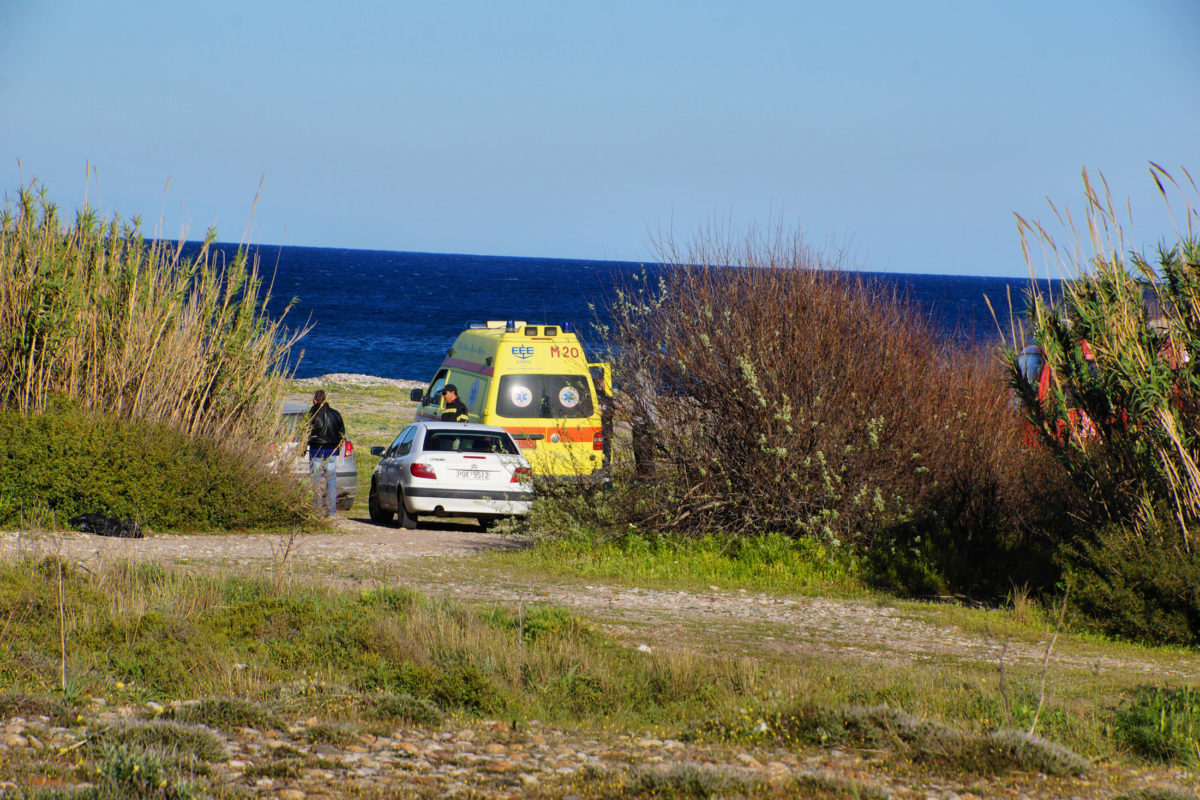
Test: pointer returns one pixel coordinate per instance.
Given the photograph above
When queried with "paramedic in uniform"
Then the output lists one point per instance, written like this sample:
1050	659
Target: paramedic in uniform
456	410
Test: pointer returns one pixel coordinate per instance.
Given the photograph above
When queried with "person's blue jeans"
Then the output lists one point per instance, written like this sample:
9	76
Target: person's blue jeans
324	471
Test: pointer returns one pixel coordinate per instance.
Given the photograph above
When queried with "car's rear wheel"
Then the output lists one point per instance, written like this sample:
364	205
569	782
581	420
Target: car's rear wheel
379	515
407	520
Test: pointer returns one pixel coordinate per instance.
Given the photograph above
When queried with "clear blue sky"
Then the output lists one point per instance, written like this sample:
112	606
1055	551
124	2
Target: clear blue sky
907	132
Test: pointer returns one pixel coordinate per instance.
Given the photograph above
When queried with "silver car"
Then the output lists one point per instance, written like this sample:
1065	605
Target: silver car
295	419
450	469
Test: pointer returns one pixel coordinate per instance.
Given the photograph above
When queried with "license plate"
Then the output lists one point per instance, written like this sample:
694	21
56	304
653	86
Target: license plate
472	474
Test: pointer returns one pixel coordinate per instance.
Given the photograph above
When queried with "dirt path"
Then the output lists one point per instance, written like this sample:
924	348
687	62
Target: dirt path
437	561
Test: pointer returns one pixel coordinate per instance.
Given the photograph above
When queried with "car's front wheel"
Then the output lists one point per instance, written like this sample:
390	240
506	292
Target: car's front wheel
379	515
407	520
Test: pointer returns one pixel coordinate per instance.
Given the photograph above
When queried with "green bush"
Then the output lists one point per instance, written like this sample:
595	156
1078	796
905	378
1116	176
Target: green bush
67	462
1144	588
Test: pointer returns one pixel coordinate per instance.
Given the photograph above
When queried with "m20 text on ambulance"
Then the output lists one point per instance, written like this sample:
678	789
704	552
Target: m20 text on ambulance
536	382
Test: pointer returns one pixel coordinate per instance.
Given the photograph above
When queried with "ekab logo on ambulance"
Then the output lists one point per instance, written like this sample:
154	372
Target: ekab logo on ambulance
521	396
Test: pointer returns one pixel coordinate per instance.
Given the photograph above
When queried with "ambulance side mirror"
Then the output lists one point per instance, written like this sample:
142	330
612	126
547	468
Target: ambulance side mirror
416	395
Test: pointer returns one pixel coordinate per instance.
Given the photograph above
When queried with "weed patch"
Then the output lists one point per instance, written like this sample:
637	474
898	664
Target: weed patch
1161	724
129	772
699	782
21	705
922	741
338	735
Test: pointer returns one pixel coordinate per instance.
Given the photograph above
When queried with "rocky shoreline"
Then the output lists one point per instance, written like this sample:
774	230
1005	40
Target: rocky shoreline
355	379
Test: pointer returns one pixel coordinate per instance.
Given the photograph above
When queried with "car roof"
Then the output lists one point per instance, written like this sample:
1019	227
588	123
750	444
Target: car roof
295	407
460	426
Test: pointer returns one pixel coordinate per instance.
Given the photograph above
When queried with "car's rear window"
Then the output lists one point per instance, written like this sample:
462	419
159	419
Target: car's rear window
544	396
468	442
291	424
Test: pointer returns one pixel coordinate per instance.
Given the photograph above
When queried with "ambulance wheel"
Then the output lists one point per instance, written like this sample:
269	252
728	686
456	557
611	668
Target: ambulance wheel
378	515
407	520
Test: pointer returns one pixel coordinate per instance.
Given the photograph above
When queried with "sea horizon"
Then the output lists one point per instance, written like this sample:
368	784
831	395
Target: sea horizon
393	314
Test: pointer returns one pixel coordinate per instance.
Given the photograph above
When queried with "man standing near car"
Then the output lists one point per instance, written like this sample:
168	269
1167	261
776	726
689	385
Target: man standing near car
456	409
325	434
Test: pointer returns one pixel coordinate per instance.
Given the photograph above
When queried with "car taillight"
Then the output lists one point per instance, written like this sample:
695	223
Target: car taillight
348	450
526	444
598	440
521	474
422	471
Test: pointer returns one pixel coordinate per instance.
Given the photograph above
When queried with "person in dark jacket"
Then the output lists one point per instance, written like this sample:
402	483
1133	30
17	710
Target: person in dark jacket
325	434
456	409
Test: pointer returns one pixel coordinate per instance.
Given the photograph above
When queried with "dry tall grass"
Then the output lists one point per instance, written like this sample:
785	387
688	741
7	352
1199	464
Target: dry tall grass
95	313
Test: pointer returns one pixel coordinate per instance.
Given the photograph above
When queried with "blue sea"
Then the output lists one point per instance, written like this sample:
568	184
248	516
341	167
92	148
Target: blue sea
394	314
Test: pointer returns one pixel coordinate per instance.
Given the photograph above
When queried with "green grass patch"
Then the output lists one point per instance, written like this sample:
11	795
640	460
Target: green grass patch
769	563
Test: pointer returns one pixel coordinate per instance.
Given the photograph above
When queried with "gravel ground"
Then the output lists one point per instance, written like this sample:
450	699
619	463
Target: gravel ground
491	760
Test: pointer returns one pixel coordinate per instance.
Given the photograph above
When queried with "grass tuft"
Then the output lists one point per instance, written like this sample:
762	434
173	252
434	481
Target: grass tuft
404	707
183	742
224	713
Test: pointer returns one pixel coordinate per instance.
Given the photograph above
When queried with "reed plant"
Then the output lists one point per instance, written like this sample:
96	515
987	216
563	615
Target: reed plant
94	312
1121	411
1136	449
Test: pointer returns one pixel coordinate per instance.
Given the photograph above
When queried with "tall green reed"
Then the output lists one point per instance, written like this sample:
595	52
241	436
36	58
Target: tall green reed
1137	456
96	313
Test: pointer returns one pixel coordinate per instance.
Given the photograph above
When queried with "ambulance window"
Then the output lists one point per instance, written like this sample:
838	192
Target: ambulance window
439	380
544	397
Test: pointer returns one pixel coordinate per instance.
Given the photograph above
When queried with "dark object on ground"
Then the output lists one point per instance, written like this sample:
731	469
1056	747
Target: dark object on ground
103	526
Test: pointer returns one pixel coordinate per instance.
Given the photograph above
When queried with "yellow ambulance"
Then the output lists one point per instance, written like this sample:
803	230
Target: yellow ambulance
536	382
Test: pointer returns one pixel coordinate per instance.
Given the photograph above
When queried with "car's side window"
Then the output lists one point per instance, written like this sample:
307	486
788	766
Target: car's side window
404	443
